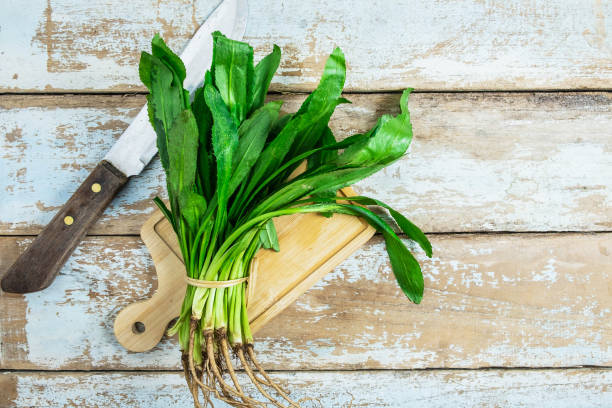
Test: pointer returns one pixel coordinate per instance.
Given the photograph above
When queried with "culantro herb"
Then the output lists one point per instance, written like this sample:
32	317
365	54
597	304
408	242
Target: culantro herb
227	158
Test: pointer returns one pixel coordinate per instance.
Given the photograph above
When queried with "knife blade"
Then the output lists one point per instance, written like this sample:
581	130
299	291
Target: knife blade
37	267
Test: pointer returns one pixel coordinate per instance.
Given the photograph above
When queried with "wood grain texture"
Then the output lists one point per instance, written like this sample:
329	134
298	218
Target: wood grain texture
519	162
478	162
533	300
62	45
577	388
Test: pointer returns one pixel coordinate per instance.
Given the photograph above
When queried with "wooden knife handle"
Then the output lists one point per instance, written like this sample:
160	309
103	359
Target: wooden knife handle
36	268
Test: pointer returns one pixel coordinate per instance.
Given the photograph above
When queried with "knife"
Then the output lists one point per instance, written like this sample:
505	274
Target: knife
36	268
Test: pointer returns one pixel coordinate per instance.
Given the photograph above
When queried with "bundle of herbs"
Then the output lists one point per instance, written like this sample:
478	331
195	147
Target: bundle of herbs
228	158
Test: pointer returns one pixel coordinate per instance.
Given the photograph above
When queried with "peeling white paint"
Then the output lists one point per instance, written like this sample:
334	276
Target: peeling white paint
428	389
356	315
548	273
448	45
469	170
57	148
72	321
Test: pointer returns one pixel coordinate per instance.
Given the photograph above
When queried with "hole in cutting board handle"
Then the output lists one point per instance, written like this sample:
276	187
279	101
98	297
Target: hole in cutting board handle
138	328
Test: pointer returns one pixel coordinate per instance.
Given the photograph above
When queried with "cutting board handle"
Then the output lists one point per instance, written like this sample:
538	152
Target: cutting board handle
141	325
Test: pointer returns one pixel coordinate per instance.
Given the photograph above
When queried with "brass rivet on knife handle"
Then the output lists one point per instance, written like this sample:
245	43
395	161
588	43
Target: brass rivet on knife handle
96	187
36	268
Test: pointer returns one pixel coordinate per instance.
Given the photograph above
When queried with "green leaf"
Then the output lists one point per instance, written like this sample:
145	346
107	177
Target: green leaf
174	63
412	231
269	237
324	155
162	207
144	68
405	267
252	138
388	143
404	100
279	125
224	142
193	208
202	114
206	164
301	187
320	105
264	71
161	51
306	127
165	100
182	150
233	74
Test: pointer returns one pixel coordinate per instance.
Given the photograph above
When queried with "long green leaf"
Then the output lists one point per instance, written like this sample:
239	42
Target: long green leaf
304	129
206	163
233	74
165	100
161	51
182	151
406	268
252	138
224	142
300	188
193	208
173	62
412	231
388	142
263	73
322	103
406	226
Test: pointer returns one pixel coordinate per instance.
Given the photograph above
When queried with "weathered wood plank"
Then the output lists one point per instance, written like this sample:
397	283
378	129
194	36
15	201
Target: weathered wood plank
61	45
577	388
536	300
479	162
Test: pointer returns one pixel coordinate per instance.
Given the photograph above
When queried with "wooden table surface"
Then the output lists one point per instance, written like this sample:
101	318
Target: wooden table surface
510	174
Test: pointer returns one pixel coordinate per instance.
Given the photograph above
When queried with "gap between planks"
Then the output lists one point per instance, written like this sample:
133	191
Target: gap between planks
401	235
346	92
322	370
570	388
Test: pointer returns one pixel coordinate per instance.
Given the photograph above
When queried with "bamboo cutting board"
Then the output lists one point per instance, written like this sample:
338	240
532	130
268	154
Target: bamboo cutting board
310	247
